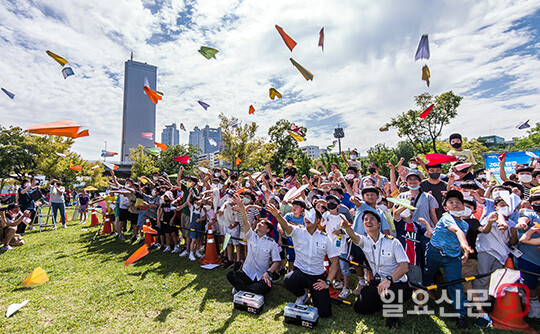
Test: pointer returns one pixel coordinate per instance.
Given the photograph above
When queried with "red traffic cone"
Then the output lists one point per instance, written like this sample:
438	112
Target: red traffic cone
210	256
148	237
507	313
107	227
94	218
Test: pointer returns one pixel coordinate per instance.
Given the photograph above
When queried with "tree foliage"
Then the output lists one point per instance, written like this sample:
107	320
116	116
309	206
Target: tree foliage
423	133
381	154
532	140
285	144
165	162
18	155
239	142
302	162
143	163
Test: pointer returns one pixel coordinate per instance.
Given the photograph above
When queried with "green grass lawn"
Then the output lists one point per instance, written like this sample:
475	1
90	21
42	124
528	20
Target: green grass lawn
90	291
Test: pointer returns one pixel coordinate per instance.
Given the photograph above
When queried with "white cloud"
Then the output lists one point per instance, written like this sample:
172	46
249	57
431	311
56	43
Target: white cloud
365	76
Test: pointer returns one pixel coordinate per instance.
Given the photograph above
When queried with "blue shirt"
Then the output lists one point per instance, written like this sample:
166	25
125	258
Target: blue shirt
358	225
445	239
489	207
531	252
346	200
292	219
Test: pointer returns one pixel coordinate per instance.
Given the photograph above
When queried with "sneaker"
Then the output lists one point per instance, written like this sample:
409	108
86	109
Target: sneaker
121	237
167	249
393	323
338	285
64	225
176	249
534	311
198	254
483	321
344	293
152	246
359	288
461	323
192	257
81	222
6	248
234	291
184	253
302	299
114	234
201	249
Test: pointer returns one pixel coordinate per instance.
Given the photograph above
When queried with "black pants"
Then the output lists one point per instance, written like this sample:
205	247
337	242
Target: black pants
241	282
22	226
297	281
370	301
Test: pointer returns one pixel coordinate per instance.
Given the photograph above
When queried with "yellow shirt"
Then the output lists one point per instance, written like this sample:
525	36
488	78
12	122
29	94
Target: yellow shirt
463	156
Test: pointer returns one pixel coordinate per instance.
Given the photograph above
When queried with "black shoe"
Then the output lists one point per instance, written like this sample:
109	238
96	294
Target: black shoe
228	264
393	322
483	322
237	265
461	323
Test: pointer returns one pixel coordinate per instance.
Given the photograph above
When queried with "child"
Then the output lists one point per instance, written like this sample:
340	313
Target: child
83	206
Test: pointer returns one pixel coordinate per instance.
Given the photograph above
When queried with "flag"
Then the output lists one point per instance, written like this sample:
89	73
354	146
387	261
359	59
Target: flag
208	52
423	48
251	109
274	93
8	93
37	276
321	38
148	135
106	154
426	74
204	105
183	159
139	253
163	147
286	38
426	112
56	57
307	74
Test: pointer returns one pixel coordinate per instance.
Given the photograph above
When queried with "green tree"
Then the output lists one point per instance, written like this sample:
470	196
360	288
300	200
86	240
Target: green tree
165	162
329	158
143	163
531	141
302	162
239	142
261	156
423	133
285	143
381	154
404	150
18	155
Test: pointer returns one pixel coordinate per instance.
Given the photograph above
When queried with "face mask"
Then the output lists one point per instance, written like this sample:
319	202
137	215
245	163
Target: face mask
353	157
536	207
216	174
207	207
498	193
525	178
349	176
382	207
372	170
248	185
196	206
289	164
245	200
332	205
405	213
505	211
414	188
154	192
456	213
466	193
467	212
526	211
456	145
413	166
324	177
263	188
434	176
155	178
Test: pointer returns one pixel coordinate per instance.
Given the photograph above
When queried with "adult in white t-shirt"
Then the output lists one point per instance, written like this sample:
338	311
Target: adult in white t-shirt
56	197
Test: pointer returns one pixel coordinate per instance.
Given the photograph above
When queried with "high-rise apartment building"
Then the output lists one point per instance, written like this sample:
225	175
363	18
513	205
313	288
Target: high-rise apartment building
139	114
170	135
207	139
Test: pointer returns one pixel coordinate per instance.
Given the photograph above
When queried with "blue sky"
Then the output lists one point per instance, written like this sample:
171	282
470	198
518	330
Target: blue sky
486	51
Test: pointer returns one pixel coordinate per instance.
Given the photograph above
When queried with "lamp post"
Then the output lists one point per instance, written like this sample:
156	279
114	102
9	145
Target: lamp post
338	133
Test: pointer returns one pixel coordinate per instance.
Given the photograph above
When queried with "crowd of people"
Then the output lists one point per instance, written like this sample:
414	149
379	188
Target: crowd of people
311	230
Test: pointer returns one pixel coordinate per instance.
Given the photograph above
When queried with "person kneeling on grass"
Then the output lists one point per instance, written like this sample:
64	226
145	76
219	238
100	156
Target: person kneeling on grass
311	246
389	262
262	257
8	224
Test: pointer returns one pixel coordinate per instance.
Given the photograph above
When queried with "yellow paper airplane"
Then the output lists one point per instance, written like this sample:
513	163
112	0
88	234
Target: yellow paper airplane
37	276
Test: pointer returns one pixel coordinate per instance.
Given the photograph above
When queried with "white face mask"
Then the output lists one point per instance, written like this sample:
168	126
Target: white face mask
456	213
413	166
196	206
155	178
248	185
525	178
245	200
405	213
467	212
526	211
353	156
207	207
349	176
154	192
263	188
505	211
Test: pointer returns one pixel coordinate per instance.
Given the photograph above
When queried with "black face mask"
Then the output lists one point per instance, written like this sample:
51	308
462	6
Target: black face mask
434	176
536	207
332	205
456	145
372	170
281	196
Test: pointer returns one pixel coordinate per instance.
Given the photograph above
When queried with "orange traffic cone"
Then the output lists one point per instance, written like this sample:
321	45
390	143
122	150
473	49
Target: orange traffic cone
107	227
507	312
210	256
94	219
148	237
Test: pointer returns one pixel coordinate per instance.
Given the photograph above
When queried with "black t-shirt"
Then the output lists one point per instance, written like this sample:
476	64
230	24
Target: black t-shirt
472	233
25	201
437	192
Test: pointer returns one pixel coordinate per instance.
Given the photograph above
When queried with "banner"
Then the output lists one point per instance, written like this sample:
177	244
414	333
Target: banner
512	159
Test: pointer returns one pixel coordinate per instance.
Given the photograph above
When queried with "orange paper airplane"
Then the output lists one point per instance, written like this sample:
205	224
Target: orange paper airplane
59	128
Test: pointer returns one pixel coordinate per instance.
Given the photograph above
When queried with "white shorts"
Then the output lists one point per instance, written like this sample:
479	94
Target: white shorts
234	232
